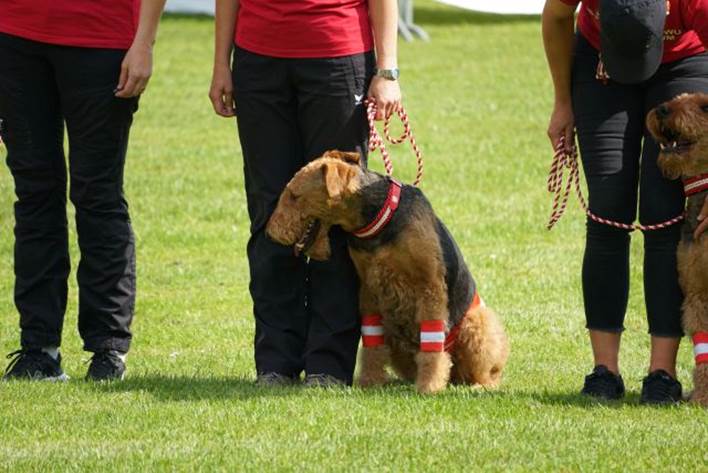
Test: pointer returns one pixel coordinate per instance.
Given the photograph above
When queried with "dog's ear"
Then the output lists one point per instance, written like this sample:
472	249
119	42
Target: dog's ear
337	178
351	157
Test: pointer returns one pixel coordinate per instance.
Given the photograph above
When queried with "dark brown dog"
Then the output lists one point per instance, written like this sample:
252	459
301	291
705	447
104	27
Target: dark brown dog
415	286
680	126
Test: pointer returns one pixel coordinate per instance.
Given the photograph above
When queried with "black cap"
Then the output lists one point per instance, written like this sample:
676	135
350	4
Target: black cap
632	38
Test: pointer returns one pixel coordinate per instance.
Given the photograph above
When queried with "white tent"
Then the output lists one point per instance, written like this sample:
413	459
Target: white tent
491	6
527	7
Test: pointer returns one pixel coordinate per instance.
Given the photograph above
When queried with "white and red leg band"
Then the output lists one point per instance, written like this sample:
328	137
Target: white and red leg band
372	331
700	347
432	335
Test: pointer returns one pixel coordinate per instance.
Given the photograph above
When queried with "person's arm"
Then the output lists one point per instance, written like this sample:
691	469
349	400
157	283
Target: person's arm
384	24
221	92
136	69
557	23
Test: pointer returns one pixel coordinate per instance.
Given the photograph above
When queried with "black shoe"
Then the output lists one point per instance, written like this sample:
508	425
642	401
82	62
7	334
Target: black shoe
273	379
659	387
603	384
34	364
321	380
106	366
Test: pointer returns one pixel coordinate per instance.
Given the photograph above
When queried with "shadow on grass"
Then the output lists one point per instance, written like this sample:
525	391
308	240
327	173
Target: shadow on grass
454	16
197	388
194	388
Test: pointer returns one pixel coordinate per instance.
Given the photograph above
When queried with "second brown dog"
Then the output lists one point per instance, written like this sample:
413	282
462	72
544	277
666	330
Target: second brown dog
680	126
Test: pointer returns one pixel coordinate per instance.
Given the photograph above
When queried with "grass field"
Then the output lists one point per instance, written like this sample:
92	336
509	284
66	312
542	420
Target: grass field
479	97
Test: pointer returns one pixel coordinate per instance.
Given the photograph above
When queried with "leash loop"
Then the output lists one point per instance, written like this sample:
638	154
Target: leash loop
563	160
376	141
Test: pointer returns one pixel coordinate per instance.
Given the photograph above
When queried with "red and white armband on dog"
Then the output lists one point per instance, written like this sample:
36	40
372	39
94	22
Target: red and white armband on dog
432	335
700	347
372	331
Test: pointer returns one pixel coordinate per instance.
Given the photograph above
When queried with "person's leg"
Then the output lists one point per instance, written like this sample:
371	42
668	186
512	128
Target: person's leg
33	131
609	125
98	125
331	115
266	115
662	200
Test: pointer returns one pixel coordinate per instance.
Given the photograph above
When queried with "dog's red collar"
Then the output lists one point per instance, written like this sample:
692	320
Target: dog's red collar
694	185
451	337
385	214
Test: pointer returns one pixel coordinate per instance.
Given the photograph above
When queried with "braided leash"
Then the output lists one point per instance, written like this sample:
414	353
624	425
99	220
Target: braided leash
376	141
562	160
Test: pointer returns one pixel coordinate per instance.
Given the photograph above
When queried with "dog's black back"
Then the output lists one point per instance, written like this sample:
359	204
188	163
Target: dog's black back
412	206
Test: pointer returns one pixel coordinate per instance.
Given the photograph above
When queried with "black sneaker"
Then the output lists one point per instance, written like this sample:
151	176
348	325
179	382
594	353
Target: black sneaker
106	366
34	364
321	380
603	384
659	387
273	379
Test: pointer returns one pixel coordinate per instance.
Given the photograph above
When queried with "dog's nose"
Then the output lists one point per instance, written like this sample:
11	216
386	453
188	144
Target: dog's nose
663	111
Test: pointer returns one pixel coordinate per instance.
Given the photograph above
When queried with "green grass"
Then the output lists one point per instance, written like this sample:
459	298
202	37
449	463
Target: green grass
479	97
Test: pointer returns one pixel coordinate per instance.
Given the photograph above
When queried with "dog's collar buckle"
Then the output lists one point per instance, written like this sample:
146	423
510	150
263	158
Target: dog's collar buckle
696	184
385	214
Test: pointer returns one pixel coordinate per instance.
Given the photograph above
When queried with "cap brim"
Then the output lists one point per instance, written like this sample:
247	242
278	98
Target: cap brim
634	69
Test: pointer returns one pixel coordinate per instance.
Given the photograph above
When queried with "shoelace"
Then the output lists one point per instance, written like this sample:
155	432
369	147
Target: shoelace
16	356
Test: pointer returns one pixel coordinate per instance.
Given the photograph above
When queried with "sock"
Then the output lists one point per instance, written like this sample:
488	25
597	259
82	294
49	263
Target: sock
120	355
52	351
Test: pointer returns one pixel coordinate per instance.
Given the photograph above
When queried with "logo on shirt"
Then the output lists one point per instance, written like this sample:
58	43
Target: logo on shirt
357	99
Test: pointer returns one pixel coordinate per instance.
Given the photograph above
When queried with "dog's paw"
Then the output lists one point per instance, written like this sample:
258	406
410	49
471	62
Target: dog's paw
371	381
433	372
430	387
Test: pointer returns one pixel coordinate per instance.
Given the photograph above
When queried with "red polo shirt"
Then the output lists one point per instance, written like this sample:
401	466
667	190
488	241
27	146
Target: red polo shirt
685	33
85	23
304	28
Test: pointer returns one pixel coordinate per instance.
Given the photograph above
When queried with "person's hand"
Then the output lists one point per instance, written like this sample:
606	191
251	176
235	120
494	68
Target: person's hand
135	71
221	91
703	219
562	125
387	95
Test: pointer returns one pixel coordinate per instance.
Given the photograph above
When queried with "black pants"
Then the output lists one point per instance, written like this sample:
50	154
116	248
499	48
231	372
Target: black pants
289	112
620	162
43	87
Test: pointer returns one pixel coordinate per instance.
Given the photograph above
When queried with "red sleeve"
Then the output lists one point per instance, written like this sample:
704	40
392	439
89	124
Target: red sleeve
696	15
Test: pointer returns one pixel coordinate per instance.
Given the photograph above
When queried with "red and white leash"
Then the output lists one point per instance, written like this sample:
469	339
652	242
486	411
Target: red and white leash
562	160
376	141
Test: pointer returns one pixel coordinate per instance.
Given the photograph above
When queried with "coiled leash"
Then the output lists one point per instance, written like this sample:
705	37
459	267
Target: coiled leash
376	141
563	160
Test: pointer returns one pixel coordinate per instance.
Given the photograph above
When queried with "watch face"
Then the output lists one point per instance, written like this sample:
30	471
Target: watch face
390	74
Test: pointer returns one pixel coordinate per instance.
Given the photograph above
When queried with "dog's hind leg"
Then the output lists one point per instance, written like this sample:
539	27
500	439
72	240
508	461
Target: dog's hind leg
481	349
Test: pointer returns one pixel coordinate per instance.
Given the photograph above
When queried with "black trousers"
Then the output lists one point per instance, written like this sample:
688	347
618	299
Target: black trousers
42	88
290	111
620	162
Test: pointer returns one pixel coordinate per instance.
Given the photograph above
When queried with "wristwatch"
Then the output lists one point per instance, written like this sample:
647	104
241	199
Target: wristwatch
389	74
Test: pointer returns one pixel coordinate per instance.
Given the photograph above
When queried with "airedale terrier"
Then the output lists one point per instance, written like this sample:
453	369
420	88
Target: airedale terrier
421	314
680	126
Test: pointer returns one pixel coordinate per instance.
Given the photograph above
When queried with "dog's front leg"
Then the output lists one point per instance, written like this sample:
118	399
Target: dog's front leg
375	355
433	363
